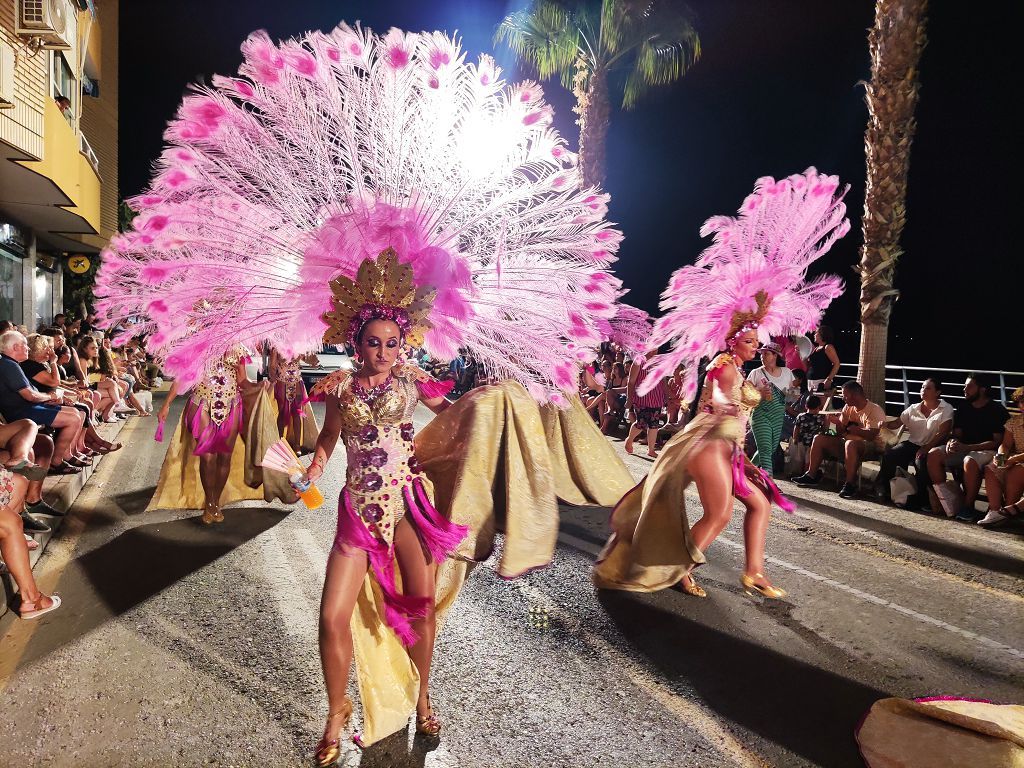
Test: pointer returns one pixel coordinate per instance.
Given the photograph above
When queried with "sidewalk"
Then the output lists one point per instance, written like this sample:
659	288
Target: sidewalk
59	491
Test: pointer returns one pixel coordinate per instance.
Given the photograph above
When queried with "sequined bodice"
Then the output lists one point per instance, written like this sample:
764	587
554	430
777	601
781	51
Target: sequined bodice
219	387
289	373
378	439
743	398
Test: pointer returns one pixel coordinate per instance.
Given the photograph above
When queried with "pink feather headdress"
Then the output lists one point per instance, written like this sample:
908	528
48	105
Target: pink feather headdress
753	275
330	149
630	329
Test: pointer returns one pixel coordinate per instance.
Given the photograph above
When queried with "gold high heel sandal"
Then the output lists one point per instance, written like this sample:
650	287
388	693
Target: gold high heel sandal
329	750
218	516
430	724
765	590
693	588
209	516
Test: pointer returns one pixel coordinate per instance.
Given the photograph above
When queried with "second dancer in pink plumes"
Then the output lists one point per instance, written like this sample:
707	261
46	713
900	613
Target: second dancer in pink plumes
748	285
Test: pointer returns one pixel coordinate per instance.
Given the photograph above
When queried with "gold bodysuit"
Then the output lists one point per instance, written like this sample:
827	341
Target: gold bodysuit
219	386
650	547
378	439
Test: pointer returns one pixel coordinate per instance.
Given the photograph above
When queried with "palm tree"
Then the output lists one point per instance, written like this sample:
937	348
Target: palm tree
649	42
895	42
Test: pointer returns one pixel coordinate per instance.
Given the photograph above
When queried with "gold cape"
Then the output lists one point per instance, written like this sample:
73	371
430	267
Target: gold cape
496	461
899	733
179	486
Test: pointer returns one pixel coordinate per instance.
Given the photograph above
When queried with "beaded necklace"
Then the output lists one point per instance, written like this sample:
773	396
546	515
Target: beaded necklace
368	396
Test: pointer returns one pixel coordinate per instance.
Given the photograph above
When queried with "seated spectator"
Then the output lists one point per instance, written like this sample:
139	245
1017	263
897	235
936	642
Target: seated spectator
806	427
43	372
1004	476
648	409
928	424
15	549
615	397
20	400
823	364
978	429
859	437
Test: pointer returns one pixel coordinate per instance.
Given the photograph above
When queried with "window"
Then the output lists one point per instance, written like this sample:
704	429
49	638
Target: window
64	83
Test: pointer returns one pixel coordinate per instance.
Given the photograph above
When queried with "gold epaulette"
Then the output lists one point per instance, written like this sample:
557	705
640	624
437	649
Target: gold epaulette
329	384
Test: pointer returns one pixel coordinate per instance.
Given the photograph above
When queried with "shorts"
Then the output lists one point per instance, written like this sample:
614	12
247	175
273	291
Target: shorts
40	413
649	418
981	458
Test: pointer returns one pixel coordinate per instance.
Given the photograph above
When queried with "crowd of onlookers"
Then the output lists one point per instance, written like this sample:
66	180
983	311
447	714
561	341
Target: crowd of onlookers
933	457
57	385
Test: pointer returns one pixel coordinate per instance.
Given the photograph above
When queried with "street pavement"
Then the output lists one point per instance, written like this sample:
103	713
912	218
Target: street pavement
180	645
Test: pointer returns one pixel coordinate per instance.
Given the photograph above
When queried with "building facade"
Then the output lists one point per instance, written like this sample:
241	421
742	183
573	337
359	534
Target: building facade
58	147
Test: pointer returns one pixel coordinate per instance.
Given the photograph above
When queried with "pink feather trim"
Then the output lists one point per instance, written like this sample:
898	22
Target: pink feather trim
432	388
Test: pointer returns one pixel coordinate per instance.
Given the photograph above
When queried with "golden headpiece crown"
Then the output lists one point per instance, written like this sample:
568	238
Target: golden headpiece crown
383	290
749	321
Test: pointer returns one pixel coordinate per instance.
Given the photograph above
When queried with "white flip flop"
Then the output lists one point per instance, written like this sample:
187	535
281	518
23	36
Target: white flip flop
42	611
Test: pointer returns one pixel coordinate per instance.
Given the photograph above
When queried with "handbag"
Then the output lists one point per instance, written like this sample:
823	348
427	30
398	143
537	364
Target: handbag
902	486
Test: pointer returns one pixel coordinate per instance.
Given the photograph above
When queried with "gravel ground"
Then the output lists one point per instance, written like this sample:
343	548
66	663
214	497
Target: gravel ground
185	646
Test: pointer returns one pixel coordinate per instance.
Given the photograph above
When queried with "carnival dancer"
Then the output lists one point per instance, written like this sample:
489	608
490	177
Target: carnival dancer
211	423
369	143
748	284
385	514
295	420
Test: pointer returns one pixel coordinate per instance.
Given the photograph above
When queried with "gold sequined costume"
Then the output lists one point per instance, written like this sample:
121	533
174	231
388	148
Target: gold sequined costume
493	462
650	547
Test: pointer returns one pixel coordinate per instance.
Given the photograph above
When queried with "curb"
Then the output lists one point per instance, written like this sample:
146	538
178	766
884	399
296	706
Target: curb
60	491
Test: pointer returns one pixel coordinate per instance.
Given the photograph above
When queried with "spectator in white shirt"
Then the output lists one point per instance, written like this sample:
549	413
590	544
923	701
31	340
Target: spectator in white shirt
928	424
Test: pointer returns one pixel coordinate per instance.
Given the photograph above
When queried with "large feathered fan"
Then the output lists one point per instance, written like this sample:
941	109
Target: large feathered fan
329	149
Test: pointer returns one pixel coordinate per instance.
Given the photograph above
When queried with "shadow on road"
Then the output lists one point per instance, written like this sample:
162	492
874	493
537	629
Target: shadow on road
134	502
137	565
394	752
809	711
981	558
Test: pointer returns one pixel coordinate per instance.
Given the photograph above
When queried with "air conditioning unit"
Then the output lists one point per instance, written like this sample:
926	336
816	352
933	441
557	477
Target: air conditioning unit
6	76
46	21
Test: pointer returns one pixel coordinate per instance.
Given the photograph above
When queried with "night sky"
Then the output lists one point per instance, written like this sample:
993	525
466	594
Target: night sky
775	91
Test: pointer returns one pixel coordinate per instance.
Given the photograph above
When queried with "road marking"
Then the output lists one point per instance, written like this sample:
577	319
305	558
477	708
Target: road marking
59	552
911	564
687	711
924	618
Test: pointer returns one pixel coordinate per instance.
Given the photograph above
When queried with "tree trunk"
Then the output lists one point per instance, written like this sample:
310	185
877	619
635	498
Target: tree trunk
594	110
895	42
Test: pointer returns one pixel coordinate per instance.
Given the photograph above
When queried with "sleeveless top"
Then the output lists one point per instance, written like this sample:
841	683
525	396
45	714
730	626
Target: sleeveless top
818	365
743	396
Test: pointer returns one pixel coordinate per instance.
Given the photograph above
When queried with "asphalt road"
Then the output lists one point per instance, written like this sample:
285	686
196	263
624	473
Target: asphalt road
180	645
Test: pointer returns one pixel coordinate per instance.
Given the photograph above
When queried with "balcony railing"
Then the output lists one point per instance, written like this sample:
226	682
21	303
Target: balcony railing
903	383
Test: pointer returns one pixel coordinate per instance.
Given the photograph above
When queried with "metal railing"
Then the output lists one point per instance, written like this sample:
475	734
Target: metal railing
903	383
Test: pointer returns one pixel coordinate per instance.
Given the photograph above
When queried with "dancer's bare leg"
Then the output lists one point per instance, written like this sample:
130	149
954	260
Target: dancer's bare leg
344	579
755	530
711	469
418	579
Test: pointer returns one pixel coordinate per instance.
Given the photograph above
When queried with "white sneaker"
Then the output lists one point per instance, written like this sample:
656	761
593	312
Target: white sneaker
995	518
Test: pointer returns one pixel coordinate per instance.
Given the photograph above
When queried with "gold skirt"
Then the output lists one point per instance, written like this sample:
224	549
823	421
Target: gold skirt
650	547
179	486
495	462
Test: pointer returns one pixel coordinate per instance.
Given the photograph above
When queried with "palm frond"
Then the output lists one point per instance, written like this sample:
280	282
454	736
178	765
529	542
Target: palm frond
545	37
664	46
